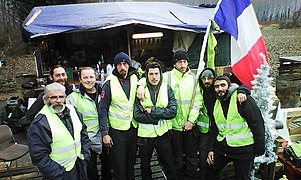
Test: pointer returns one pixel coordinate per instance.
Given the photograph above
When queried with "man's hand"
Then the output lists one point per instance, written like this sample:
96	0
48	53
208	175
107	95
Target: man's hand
210	158
140	92
107	140
241	97
148	110
187	126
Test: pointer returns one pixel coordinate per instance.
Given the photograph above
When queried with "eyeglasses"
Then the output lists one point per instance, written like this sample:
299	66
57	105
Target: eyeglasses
56	97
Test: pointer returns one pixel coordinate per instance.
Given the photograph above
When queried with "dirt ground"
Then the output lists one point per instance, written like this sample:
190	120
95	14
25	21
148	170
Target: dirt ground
279	42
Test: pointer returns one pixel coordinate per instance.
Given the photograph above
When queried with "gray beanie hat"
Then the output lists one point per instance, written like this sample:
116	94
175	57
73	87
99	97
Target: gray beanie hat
207	73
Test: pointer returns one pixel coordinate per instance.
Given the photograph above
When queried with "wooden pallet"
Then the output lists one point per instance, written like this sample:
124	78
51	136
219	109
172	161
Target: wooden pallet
290	67
29	171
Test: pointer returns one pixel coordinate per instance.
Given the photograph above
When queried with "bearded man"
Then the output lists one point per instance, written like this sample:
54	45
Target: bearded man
58	141
57	74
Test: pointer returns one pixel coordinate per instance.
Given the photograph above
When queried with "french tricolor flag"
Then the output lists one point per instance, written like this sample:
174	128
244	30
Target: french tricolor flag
237	18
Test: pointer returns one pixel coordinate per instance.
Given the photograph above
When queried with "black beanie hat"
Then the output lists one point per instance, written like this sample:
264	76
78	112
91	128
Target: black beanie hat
179	55
121	57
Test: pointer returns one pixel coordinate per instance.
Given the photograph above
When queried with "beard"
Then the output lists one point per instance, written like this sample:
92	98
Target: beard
123	73
61	81
57	107
221	95
207	85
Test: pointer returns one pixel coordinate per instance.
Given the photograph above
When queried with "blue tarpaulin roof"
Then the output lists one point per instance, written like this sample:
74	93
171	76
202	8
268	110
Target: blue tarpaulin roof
47	20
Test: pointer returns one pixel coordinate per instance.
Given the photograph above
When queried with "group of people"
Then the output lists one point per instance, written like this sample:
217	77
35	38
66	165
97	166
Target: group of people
191	122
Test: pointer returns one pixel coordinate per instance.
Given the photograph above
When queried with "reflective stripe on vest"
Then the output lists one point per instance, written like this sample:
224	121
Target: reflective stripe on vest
182	86
121	109
65	149
203	120
235	128
124	108
151	130
87	107
198	113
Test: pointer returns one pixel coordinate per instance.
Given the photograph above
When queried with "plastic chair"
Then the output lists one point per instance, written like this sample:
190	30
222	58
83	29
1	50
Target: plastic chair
9	150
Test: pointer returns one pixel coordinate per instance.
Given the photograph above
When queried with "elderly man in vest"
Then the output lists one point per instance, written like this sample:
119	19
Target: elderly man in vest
118	128
152	114
237	133
86	99
58	141
201	113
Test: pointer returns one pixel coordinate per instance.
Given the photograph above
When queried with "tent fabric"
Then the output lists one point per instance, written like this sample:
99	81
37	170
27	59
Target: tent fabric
47	20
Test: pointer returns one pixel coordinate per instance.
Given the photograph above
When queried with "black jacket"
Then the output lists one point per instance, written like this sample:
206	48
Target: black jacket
39	138
209	94
252	114
106	97
156	113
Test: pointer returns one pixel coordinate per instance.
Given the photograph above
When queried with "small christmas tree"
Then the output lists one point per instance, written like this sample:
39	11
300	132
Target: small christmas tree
263	93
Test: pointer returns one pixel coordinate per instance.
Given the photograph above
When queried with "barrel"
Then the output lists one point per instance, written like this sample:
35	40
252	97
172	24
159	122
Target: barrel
288	92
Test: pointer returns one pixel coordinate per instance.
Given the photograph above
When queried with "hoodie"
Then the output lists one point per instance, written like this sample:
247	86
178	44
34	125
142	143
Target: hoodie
156	113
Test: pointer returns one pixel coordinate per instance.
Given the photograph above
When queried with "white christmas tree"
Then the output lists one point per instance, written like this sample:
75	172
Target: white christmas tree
263	93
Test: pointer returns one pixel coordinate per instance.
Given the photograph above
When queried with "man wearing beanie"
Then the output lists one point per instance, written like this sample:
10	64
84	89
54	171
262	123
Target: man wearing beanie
201	111
184	136
118	128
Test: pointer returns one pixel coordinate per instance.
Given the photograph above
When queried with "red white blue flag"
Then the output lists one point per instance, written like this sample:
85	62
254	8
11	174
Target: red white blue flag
237	18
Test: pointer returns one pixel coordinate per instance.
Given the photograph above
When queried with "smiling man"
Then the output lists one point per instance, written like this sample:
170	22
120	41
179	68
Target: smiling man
86	99
56	74
58	141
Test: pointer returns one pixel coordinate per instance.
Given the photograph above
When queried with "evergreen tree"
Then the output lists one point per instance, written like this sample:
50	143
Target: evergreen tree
263	93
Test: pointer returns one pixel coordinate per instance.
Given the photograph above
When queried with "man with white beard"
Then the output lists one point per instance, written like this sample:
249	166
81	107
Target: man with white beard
58	141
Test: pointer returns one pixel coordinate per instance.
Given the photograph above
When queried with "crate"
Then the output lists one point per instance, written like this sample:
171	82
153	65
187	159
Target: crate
288	92
288	85
295	160
293	122
290	67
12	101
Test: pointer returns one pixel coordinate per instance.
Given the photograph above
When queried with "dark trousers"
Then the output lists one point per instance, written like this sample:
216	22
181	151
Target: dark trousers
123	153
203	153
163	147
106	168
242	167
185	146
92	166
105	165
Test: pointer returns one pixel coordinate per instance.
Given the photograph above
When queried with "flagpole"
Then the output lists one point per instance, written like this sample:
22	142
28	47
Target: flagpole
204	45
201	64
